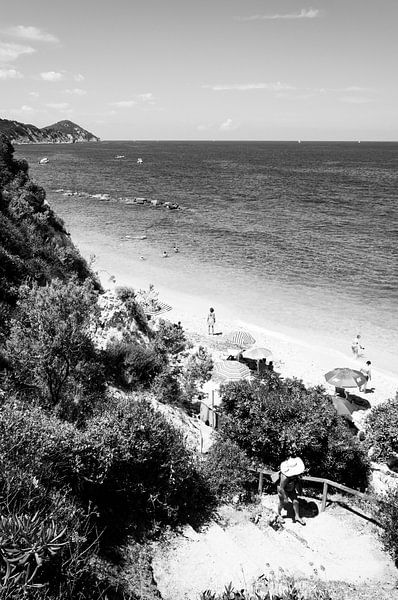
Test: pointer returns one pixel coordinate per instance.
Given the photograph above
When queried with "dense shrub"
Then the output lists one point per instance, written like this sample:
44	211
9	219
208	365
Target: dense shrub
33	513
170	340
131	365
386	508
133	308
167	388
227	470
128	462
50	348
265	419
382	430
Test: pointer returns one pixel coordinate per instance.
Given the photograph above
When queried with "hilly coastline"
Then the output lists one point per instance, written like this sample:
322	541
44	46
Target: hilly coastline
62	132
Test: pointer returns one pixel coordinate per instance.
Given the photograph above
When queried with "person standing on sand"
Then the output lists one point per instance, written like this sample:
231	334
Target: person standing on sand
289	486
367	371
356	346
211	319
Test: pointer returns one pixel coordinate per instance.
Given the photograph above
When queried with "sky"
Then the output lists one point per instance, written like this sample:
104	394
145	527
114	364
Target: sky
203	69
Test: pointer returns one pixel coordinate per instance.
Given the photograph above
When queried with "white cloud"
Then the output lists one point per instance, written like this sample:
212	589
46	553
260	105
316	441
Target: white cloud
243	87
356	88
79	77
58	105
355	100
10	74
23	113
28	32
124	103
227	125
148	97
76	92
305	13
10	52
51	76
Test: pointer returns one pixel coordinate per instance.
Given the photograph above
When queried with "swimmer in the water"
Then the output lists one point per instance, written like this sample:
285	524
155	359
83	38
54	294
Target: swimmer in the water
165	255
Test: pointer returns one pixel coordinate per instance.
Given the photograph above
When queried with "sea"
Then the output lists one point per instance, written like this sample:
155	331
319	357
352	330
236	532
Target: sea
294	237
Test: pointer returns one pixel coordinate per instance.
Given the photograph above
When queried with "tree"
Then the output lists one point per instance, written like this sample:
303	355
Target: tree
50	349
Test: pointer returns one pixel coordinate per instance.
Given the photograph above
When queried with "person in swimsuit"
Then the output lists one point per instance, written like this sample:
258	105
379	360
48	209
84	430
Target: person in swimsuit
211	319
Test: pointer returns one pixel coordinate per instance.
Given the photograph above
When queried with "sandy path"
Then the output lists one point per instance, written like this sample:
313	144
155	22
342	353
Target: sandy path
334	546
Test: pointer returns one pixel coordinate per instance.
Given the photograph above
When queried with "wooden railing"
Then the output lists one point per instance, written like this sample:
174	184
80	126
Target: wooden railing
326	484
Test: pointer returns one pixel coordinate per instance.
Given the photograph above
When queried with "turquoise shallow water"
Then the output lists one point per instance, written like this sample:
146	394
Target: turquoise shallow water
296	236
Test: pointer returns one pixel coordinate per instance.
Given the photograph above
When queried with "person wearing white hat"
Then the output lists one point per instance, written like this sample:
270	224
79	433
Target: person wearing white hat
289	486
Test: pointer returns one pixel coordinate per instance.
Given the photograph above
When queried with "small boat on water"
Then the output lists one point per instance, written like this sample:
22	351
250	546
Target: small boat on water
139	161
120	156
44	161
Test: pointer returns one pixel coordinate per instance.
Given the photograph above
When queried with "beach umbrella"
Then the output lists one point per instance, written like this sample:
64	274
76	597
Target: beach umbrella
240	337
157	308
343	377
231	370
257	354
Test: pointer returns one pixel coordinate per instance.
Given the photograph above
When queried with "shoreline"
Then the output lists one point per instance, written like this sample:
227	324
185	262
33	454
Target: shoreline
294	356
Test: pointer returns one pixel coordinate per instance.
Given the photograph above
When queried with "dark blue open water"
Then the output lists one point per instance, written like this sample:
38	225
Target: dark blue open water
301	236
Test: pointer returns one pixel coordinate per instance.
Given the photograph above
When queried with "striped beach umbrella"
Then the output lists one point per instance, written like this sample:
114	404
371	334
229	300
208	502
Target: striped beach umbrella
157	308
344	377
240	338
231	370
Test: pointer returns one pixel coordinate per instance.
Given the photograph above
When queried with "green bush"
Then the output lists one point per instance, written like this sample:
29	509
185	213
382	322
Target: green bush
226	469
266	419
382	430
166	387
133	308
51	351
30	510
128	462
131	365
169	340
387	515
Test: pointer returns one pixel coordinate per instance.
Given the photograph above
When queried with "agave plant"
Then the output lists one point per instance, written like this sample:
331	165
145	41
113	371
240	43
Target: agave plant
26	542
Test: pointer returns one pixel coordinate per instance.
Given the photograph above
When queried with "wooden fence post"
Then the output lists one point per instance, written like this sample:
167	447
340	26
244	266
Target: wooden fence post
260	483
324	496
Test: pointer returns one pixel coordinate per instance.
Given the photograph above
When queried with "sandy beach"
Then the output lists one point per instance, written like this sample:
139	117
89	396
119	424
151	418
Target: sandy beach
295	355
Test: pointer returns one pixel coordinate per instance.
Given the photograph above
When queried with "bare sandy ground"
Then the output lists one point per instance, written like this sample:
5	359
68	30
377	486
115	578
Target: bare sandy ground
334	546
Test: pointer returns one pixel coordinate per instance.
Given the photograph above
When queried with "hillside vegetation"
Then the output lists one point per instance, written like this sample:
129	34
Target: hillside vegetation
83	468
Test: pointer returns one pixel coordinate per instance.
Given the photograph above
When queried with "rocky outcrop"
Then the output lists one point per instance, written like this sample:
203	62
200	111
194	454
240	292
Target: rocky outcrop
63	132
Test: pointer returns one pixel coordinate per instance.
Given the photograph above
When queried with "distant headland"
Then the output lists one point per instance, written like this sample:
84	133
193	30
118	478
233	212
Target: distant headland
59	133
